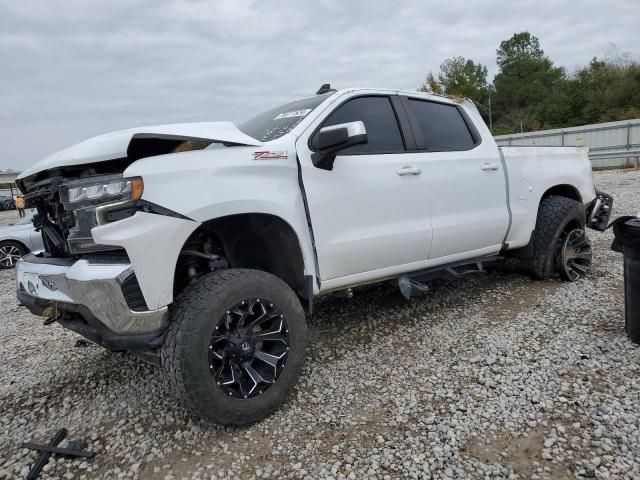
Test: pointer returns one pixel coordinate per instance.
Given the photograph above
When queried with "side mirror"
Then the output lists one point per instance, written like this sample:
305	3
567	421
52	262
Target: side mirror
330	140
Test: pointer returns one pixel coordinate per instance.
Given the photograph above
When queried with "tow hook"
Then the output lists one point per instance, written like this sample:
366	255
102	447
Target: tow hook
53	315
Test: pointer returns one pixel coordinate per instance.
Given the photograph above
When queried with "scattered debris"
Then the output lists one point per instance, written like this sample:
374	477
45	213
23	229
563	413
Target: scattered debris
81	342
74	449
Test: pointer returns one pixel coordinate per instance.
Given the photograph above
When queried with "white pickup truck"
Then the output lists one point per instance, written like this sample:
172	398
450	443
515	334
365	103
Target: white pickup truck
199	246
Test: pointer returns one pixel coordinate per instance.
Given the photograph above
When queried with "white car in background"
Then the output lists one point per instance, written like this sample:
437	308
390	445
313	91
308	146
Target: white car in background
17	240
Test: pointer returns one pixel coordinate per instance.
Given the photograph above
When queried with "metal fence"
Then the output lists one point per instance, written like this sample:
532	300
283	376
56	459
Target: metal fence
611	144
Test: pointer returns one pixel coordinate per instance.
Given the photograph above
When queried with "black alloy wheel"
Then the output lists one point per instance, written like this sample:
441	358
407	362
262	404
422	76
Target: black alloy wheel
248	348
235	345
575	256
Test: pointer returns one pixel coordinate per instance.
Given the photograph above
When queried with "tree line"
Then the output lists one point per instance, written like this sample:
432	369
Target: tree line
530	93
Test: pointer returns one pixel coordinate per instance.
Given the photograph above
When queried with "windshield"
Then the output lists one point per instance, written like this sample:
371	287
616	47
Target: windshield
28	218
278	121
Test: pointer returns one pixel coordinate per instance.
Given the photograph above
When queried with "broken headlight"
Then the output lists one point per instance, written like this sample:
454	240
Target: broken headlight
84	200
127	189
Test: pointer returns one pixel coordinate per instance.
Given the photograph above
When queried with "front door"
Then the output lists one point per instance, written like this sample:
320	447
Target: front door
371	211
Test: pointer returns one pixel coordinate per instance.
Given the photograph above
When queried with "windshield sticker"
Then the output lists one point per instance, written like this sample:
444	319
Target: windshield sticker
293	113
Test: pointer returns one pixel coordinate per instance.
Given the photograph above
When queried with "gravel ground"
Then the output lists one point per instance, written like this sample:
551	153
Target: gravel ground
494	376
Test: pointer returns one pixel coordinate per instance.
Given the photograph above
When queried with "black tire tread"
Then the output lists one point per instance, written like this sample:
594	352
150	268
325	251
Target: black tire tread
182	332
554	214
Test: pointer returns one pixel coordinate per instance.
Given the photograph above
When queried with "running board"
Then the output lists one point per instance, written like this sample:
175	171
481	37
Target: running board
414	284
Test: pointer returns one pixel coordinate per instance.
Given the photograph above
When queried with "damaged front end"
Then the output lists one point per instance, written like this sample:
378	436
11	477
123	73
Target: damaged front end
88	287
68	209
94	277
82	187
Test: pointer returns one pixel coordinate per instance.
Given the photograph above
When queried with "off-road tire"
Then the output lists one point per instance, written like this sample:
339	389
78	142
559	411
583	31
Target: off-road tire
556	216
184	356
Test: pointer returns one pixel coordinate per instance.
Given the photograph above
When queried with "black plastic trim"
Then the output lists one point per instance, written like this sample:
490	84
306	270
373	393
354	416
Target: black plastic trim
44	259
403	120
108	258
308	293
130	209
133	294
309	224
79	319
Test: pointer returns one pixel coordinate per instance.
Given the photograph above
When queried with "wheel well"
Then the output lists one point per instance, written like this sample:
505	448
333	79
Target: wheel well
567	191
26	249
253	240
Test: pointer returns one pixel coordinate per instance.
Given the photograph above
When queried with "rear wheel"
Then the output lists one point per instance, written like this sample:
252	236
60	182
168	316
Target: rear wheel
10	253
575	257
559	245
235	345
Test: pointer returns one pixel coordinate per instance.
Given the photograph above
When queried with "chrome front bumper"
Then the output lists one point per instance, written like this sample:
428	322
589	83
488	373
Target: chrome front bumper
93	287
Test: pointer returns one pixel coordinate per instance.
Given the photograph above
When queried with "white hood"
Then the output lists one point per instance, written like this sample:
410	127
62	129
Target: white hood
115	144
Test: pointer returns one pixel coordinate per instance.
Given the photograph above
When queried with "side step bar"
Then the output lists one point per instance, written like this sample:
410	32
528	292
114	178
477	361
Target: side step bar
414	284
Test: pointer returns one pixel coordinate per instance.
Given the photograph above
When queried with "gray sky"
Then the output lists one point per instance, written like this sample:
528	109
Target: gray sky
72	69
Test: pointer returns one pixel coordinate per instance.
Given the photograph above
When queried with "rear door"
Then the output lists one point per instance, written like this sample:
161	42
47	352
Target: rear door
370	213
465	180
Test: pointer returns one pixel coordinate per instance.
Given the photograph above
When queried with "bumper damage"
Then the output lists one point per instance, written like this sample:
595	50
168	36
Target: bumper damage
87	296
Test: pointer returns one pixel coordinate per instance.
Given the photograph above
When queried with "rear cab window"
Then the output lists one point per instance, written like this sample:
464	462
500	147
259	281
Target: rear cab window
442	126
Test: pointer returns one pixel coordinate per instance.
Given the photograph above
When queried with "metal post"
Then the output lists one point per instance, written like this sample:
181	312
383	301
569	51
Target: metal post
562	133
490	117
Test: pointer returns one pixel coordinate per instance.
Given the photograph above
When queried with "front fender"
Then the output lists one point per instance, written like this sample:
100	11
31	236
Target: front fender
208	184
152	243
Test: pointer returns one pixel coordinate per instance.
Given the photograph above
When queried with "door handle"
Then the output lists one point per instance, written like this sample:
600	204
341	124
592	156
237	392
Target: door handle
408	171
489	167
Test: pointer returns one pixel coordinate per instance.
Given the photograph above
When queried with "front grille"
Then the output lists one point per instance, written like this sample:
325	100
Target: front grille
133	294
52	219
65	231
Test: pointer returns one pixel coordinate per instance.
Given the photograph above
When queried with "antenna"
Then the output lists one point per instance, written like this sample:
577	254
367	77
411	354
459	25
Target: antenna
325	88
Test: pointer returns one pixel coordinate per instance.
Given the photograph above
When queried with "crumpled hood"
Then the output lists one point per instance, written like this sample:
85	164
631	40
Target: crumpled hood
114	145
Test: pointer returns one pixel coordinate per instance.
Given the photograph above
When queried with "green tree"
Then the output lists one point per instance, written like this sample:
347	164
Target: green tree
607	90
521	46
529	88
462	77
431	85
530	92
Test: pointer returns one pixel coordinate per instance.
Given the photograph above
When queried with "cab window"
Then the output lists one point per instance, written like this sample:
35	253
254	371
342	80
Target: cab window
379	118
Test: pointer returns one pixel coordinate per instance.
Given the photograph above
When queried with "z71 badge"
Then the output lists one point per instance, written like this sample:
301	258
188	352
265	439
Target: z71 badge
270	155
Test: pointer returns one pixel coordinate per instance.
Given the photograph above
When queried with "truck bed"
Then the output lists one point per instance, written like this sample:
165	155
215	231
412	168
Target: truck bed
530	172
